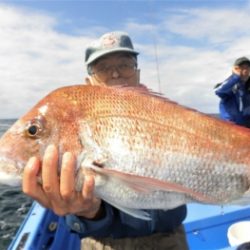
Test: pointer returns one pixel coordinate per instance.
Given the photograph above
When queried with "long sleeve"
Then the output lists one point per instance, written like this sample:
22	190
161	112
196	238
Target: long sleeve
226	88
86	227
117	224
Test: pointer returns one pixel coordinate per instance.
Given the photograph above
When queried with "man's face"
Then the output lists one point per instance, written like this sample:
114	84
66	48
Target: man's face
244	71
115	69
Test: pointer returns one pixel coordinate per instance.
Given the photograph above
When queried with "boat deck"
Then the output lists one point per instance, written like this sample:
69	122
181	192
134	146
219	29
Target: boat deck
206	228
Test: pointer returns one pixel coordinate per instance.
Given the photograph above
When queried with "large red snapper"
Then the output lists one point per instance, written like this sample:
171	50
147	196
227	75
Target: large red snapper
145	151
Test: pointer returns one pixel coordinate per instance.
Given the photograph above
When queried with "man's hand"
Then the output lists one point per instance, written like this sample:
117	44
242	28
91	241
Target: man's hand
58	192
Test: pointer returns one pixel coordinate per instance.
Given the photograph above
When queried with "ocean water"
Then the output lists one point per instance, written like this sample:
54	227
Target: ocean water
14	205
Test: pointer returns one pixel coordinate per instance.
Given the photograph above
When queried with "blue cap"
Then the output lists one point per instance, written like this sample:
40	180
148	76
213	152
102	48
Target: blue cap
115	41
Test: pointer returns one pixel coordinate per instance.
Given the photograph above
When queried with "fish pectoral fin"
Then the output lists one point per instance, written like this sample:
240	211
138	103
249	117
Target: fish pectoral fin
148	185
87	168
88	162
100	179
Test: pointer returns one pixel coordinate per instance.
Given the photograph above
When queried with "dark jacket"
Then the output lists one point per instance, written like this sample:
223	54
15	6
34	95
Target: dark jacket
118	224
235	100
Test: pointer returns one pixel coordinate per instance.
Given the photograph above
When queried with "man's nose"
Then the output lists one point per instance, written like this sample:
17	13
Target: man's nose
115	73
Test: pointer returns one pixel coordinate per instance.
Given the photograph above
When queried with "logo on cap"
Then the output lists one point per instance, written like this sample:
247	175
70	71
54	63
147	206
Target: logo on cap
110	41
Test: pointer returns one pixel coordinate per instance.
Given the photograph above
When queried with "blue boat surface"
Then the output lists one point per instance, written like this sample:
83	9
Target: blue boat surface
206	228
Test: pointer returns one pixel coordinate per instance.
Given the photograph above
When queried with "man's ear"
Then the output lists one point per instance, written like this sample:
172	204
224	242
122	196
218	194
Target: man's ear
138	74
88	80
91	81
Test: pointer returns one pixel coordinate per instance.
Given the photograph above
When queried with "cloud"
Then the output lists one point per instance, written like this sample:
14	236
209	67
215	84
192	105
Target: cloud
215	25
35	59
184	54
196	53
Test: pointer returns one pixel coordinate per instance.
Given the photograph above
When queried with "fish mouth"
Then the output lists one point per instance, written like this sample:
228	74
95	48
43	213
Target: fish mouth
10	172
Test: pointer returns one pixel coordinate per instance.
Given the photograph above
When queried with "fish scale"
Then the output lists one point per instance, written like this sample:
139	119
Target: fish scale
144	150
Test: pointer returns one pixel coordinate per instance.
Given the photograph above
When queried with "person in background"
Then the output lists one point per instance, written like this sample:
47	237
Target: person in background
234	94
111	60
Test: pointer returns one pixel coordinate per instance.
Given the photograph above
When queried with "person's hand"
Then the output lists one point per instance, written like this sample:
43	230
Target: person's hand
242	71
58	192
236	70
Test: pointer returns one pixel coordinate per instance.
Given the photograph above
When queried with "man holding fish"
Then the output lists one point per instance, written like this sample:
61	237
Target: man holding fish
111	60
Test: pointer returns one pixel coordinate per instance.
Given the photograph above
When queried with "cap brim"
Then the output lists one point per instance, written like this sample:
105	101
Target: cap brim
104	52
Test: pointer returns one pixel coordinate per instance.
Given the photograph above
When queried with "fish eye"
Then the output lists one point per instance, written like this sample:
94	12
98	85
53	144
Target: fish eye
33	129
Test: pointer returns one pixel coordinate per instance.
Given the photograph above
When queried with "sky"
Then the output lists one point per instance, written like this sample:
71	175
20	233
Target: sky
186	46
